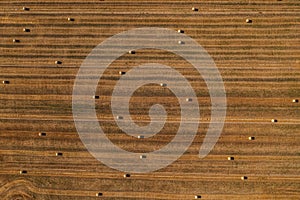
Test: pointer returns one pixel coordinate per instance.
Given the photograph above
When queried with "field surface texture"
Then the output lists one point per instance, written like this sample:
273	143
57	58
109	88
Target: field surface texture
44	43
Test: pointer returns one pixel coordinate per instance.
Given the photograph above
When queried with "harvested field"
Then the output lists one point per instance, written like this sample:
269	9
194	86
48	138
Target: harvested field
259	64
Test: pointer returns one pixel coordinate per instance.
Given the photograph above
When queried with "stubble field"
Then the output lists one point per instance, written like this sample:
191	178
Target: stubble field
259	63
